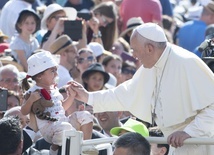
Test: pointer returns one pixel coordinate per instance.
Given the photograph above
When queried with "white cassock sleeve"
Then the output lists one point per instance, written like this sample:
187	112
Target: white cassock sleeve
201	125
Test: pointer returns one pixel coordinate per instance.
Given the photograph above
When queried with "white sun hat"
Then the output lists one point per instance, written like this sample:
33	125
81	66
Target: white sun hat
97	48
48	11
152	32
112	82
39	62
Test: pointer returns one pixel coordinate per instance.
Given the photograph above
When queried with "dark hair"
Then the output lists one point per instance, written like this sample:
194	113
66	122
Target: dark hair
167	22
84	50
108	58
23	16
10	135
25	84
110	32
88	76
2	40
134	142
156	132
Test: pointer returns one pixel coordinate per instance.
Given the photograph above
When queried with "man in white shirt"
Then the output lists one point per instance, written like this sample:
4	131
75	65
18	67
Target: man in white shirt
67	50
10	13
173	86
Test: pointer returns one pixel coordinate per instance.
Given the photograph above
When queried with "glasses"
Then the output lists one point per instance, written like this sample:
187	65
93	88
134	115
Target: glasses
82	60
8	80
58	17
128	71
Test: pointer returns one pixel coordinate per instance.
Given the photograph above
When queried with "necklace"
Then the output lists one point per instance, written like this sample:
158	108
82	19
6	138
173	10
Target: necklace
157	90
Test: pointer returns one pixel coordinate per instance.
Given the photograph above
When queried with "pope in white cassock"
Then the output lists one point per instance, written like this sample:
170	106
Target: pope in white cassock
173	86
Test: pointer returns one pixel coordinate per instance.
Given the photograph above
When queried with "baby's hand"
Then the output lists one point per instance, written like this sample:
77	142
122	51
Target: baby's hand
34	96
70	92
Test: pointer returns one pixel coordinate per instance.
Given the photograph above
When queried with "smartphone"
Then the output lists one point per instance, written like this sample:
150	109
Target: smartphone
84	15
73	28
3	99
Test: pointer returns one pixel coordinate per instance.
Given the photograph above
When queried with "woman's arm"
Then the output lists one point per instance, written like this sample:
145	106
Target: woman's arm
94	25
58	30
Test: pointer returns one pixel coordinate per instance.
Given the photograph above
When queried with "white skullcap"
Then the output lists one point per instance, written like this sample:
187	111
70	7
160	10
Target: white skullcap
152	32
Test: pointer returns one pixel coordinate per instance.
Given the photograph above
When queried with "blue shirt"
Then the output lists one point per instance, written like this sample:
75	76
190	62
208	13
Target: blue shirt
191	34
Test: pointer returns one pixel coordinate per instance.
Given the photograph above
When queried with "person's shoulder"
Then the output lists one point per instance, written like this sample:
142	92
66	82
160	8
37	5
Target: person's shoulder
182	53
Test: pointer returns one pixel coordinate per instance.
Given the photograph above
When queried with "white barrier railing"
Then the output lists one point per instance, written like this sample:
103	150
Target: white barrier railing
73	142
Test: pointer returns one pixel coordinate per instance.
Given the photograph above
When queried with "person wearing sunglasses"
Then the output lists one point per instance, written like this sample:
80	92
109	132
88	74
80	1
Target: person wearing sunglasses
83	61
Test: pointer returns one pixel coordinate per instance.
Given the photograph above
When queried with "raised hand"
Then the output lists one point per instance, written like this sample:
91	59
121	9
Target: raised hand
177	138
81	92
94	24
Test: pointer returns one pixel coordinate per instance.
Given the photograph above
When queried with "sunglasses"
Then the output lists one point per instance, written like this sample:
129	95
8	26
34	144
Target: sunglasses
128	71
82	60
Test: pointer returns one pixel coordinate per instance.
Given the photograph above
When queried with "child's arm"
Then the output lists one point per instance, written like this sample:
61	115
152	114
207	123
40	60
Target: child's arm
21	56
26	107
70	98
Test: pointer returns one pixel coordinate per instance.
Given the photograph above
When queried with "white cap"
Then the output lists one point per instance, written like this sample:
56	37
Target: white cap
96	48
39	62
112	82
152	32
194	13
48	11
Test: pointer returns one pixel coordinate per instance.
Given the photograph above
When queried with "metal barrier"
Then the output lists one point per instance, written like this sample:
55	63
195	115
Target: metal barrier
73	142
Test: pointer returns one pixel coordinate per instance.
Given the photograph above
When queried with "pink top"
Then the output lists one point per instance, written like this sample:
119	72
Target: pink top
148	10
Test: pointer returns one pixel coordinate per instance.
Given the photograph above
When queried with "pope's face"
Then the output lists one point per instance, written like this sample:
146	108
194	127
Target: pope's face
141	50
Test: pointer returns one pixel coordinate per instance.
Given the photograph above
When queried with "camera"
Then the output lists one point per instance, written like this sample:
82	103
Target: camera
207	49
73	28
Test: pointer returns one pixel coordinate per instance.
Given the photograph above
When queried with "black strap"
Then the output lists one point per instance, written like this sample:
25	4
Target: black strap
132	25
66	44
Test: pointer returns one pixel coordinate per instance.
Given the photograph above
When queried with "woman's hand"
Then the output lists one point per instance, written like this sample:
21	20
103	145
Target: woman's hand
94	24
59	27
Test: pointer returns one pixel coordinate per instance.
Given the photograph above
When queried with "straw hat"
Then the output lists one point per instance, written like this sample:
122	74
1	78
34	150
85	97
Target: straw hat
3	35
48	11
131	125
131	24
61	44
210	6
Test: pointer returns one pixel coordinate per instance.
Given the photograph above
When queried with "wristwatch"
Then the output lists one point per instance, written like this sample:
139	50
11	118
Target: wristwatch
98	35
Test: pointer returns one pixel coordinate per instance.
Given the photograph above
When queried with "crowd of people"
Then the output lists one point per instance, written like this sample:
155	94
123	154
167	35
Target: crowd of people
127	68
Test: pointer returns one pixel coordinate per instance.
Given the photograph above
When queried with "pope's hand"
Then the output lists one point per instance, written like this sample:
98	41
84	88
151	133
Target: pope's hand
177	138
81	92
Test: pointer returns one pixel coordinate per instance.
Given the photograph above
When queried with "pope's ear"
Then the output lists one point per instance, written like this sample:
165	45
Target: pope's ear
150	48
